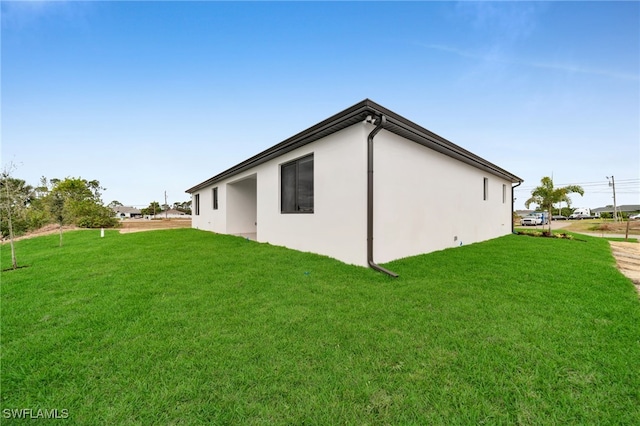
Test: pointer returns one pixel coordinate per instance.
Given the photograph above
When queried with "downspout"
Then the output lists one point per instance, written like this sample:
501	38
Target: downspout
372	264
513	202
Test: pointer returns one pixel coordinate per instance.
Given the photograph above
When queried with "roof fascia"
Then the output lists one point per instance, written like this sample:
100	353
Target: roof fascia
358	112
324	128
412	131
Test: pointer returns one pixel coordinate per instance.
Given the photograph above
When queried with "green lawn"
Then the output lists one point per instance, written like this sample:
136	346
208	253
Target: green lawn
187	327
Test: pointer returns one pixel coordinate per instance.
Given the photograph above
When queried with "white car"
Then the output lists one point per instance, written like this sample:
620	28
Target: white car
634	217
531	220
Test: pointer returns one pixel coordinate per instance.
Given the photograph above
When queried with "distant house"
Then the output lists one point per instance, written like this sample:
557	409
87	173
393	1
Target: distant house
124	212
623	208
363	186
523	213
169	214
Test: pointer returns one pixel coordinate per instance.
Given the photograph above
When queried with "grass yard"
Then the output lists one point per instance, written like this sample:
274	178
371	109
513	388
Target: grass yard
603	226
188	327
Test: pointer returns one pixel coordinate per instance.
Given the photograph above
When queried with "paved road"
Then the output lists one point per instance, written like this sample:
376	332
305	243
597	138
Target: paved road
560	224
555	224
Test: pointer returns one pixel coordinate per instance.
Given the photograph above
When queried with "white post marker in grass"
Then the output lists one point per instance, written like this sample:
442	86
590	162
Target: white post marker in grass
101	232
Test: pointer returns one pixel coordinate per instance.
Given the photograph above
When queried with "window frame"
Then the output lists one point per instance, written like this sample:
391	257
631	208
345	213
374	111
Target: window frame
196	201
214	196
485	188
296	186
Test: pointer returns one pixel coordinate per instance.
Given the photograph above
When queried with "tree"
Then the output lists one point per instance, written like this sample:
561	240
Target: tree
56	207
37	214
546	195
77	200
114	203
15	195
184	206
153	209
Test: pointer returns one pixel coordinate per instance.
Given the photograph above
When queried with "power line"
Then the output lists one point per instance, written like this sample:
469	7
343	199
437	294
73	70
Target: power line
625	187
622	184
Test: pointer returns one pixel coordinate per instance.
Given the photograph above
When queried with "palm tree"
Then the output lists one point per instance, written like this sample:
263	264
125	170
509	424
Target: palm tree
546	195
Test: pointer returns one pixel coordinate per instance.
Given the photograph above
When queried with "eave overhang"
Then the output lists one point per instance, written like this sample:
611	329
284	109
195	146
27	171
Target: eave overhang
350	116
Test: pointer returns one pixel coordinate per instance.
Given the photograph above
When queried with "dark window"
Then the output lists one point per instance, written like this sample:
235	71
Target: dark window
296	186
197	202
485	189
504	193
215	198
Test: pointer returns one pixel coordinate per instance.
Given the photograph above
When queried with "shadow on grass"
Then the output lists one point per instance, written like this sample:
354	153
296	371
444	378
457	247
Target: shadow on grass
547	234
15	269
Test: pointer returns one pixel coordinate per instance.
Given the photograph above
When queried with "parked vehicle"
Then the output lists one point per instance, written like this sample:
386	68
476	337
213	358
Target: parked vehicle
579	217
635	217
544	217
558	217
583	213
531	220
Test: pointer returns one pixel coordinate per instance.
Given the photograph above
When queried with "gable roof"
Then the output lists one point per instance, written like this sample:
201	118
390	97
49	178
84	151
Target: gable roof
126	209
355	114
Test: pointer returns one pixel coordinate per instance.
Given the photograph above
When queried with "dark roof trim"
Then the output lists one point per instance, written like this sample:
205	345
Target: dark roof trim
355	114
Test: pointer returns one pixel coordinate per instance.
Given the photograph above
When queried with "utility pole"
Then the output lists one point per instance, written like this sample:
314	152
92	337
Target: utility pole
166	212
612	183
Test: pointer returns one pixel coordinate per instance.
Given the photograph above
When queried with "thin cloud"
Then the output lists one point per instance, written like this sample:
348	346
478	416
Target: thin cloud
20	14
583	70
569	68
506	21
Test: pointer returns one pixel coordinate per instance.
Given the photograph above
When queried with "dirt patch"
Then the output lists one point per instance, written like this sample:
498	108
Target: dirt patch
126	226
45	230
628	260
139	225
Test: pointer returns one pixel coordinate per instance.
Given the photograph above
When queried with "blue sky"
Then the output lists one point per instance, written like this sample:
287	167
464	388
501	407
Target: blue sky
148	97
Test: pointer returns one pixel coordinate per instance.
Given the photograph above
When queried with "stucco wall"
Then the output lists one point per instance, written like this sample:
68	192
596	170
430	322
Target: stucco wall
209	219
337	228
426	201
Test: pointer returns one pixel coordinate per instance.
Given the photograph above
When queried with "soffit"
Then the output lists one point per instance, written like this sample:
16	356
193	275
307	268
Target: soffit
356	114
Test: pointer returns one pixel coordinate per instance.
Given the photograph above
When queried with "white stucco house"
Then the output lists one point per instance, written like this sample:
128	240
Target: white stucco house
126	212
169	214
365	186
